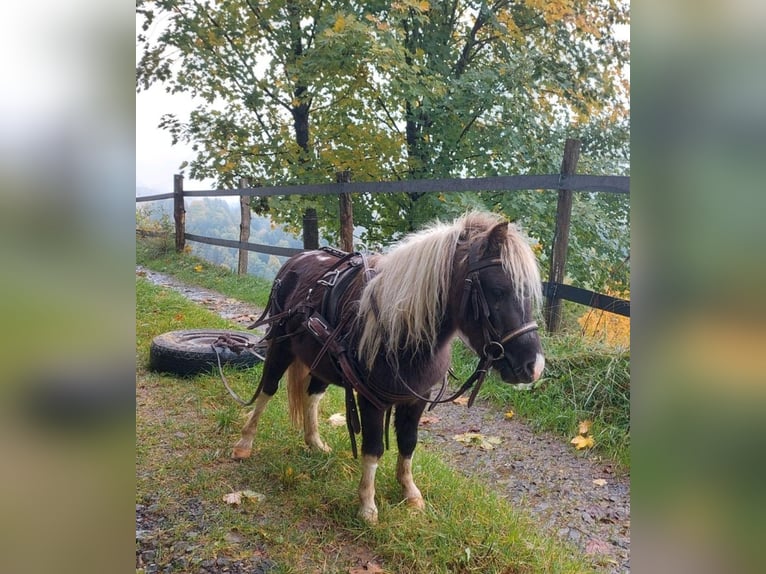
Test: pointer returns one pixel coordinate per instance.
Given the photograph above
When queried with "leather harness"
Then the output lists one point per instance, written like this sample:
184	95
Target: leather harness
323	321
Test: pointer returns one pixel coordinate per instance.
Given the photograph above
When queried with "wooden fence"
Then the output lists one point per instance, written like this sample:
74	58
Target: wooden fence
566	182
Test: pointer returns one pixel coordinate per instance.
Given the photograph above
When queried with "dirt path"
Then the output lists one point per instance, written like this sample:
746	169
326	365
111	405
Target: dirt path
575	496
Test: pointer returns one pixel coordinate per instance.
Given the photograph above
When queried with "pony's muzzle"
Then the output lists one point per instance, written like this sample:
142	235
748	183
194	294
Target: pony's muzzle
525	375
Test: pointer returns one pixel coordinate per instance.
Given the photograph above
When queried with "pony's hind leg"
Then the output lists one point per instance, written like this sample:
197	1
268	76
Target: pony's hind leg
406	423
315	392
278	358
304	392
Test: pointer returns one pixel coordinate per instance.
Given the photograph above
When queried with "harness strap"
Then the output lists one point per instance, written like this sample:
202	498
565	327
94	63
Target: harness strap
226	342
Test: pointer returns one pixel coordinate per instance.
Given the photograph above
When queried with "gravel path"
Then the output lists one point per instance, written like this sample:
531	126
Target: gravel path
571	494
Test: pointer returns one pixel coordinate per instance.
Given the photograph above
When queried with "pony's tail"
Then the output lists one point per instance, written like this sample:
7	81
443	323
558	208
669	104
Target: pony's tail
297	391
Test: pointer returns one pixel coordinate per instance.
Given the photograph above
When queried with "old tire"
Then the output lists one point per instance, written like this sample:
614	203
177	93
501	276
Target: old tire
189	351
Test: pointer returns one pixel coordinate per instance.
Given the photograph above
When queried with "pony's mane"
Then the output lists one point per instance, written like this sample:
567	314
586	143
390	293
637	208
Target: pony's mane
403	305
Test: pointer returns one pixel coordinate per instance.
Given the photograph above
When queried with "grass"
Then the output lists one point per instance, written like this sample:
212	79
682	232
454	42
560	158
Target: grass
583	379
158	254
307	521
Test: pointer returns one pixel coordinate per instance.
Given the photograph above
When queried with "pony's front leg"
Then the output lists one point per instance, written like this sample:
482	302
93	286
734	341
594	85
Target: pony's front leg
277	360
244	447
406	424
372	450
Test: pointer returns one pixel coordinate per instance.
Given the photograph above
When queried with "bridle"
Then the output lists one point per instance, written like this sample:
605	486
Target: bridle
474	292
492	349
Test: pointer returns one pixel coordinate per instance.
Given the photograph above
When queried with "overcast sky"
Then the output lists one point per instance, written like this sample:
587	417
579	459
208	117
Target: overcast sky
156	159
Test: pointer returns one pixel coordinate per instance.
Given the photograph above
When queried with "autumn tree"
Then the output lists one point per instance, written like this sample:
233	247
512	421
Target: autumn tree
294	91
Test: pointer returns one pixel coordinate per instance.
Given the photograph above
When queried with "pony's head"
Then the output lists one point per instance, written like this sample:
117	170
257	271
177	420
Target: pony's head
496	304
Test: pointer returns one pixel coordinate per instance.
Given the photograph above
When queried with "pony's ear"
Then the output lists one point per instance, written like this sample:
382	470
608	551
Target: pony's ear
496	237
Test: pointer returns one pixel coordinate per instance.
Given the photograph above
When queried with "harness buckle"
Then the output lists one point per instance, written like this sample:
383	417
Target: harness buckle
316	330
332	280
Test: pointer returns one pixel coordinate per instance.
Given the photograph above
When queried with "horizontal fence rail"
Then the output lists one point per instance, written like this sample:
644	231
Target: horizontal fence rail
586	297
565	183
257	247
581	183
157	197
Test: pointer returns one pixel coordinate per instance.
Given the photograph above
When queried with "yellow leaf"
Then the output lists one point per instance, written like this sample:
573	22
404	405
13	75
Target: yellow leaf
478	439
198	268
461	401
582	442
584	427
424	6
340	23
509	415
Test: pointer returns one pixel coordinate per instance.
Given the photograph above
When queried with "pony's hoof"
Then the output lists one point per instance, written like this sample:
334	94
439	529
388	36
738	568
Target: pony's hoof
240	453
416	502
319	446
369	515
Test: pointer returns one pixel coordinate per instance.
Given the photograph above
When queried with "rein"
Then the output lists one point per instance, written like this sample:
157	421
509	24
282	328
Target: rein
226	342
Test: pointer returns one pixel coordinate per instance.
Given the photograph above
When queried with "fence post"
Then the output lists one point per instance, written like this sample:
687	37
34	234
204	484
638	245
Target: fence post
552	307
346	213
179	212
310	229
244	227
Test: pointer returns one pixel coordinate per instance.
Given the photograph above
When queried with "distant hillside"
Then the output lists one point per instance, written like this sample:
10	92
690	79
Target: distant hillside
215	217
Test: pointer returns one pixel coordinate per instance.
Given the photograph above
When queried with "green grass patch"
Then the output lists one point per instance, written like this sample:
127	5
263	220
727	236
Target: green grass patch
307	521
158	254
582	380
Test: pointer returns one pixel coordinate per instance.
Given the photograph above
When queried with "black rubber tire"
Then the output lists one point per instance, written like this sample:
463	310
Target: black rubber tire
189	351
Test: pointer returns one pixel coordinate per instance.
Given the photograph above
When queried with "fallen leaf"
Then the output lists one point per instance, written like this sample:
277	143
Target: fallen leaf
509	415
461	401
233	497
337	420
599	482
478	439
198	268
368	567
595	546
582	442
428	419
179	317
234	537
252	495
236	497
584	427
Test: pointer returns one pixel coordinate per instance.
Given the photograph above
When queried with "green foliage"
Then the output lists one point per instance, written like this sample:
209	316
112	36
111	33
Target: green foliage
401	90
